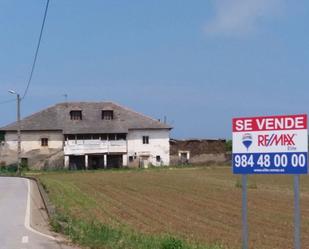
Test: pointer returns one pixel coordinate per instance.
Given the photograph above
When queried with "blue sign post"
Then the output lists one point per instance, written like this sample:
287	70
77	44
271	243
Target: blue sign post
270	145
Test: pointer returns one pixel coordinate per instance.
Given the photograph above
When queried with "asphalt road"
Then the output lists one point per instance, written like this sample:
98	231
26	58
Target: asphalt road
15	228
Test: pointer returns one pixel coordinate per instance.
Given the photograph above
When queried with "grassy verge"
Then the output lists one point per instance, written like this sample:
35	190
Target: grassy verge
97	235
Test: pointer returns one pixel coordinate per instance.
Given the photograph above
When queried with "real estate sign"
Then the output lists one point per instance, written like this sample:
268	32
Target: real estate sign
270	145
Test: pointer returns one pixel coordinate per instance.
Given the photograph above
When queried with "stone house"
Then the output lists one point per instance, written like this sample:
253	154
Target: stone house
87	135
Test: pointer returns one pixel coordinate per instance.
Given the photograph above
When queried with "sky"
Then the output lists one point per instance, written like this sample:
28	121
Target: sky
199	63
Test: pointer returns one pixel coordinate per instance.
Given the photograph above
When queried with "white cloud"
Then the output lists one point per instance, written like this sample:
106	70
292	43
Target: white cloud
238	17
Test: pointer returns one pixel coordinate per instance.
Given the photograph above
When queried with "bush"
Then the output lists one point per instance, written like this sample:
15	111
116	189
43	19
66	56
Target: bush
12	168
24	167
172	243
228	145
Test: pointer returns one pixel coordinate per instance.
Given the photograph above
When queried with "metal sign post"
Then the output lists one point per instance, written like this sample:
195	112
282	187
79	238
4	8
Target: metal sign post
244	213
271	145
296	213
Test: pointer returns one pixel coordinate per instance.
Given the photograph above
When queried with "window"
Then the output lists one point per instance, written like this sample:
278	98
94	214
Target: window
104	137
116	136
76	115
112	137
131	159
145	139
107	115
158	159
79	137
44	142
121	136
96	136
70	137
83	136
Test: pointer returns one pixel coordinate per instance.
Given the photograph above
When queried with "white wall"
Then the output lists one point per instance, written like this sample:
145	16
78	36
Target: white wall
158	145
31	140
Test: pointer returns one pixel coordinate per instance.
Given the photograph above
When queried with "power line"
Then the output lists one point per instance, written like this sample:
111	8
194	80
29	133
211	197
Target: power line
36	51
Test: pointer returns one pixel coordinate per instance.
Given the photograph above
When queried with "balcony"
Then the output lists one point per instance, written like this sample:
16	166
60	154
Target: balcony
81	147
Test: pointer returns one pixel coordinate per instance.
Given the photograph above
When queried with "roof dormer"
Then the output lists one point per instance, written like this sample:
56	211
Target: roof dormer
107	114
76	115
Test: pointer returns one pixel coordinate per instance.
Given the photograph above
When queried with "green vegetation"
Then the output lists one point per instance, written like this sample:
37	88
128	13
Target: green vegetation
97	235
228	145
173	208
8	169
11	170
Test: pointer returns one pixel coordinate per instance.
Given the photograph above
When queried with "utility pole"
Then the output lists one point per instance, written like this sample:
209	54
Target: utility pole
18	135
18	131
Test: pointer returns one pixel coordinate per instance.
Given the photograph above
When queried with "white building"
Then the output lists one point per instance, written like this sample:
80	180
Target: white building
87	135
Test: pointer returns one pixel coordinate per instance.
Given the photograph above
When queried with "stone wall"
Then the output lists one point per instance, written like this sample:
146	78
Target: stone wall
198	151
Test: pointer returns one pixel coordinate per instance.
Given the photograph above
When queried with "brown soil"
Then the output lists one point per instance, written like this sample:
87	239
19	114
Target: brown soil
201	205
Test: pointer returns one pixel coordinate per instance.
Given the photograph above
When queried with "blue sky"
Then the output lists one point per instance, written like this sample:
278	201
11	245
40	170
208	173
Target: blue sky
199	63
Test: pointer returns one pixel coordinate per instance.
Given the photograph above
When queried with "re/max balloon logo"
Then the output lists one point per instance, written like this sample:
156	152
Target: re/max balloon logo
247	140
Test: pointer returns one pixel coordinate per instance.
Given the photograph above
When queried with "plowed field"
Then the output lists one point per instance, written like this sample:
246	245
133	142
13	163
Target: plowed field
196	204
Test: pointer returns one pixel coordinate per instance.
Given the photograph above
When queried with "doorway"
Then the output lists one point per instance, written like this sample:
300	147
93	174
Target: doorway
114	161
77	162
96	161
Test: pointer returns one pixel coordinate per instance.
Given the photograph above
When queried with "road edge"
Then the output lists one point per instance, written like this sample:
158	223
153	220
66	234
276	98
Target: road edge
27	222
50	210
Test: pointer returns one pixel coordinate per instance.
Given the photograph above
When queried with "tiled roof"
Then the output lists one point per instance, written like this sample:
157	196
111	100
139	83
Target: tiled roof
58	118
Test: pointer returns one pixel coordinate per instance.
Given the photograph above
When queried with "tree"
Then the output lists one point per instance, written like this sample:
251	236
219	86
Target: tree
228	145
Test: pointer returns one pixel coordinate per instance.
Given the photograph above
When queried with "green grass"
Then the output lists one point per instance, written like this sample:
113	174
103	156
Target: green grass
96	235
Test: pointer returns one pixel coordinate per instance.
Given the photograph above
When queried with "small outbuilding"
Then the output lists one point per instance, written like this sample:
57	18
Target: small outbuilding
198	151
